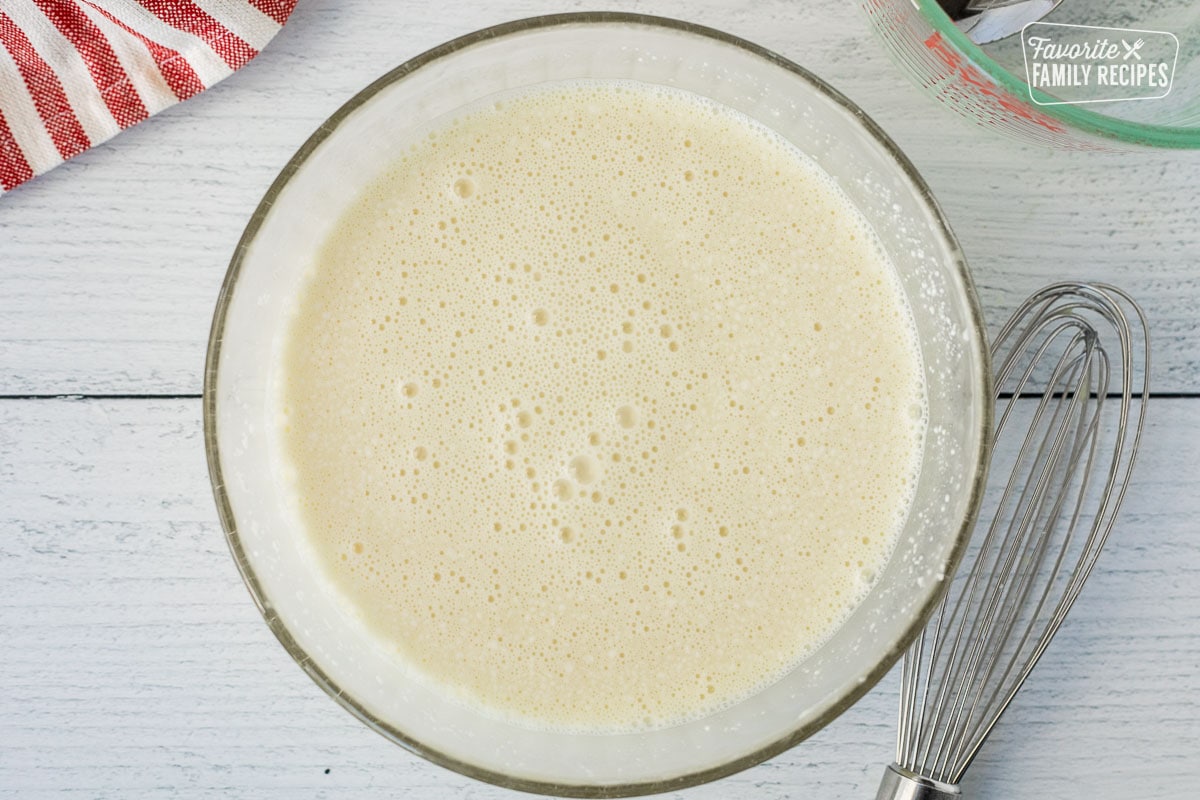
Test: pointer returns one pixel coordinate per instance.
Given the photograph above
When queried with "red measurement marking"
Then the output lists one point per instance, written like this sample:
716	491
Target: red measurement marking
981	85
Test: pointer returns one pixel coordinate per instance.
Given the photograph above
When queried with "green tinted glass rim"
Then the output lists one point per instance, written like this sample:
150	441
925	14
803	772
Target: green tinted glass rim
984	393
1076	116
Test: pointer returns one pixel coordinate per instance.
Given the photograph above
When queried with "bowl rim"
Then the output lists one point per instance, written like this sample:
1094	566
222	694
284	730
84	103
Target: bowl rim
225	510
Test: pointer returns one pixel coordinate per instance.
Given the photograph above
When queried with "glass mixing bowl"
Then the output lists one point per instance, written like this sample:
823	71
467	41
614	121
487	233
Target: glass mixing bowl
987	83
328	172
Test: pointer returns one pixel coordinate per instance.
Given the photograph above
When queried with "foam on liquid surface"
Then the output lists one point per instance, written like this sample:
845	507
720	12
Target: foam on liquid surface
601	407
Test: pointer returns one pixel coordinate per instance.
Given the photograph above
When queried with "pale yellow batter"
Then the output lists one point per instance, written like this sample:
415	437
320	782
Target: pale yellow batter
603	407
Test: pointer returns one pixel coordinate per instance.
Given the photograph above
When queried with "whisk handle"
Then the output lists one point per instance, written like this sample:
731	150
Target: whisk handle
900	784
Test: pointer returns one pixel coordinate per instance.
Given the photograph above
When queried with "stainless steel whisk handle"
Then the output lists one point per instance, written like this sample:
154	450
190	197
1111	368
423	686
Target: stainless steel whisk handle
900	784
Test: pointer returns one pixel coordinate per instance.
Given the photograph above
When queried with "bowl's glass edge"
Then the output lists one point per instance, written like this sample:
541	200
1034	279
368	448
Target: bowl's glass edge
225	510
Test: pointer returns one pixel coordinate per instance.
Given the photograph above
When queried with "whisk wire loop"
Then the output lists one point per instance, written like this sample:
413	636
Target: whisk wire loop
1079	353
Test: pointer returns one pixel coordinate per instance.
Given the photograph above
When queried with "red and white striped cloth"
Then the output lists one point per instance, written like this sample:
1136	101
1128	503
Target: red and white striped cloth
74	73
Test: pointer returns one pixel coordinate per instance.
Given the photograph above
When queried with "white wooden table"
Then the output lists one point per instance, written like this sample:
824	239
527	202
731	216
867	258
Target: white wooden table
132	662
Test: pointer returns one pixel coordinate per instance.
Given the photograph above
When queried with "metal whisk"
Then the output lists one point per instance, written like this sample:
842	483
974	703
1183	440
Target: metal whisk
1072	372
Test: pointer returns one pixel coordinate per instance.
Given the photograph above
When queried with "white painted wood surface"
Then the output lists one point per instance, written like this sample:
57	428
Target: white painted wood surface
132	662
109	265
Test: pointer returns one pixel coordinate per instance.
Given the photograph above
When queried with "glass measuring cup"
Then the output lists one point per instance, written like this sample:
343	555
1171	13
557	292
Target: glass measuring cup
991	84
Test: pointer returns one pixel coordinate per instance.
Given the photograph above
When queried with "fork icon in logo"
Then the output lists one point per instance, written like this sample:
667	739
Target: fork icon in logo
1132	49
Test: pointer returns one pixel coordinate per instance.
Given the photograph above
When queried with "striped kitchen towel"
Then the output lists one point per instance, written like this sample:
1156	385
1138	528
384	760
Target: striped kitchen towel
74	73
